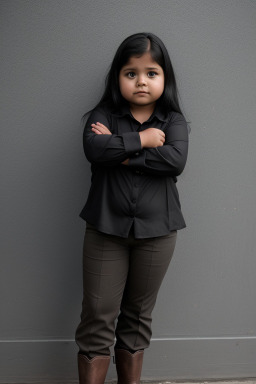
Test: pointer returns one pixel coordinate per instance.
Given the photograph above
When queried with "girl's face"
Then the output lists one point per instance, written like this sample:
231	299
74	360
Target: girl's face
141	81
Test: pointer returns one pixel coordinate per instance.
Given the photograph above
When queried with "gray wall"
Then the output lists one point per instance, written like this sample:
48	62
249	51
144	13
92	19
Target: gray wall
55	56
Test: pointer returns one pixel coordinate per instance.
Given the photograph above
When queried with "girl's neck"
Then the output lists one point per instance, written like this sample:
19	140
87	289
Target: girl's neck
142	113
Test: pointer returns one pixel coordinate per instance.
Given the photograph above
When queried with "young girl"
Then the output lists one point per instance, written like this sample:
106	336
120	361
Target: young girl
136	140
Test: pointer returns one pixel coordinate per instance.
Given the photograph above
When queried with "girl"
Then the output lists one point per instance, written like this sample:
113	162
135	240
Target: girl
136	140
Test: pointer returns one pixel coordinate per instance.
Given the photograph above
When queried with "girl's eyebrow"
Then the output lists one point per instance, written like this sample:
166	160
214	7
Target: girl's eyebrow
134	69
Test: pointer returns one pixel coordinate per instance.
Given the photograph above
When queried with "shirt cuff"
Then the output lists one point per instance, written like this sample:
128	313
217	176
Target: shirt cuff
132	142
138	160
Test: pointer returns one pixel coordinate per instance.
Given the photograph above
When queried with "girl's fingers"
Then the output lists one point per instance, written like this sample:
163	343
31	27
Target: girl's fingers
98	128
101	128
95	130
101	125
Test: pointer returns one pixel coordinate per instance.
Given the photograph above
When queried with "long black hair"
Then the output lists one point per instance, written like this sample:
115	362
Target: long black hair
136	45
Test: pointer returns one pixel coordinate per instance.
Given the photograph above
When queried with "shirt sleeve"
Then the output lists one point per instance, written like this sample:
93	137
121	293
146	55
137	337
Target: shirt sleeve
108	150
170	159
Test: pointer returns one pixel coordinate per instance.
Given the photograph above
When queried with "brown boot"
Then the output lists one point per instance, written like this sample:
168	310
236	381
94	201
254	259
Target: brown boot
92	371
128	366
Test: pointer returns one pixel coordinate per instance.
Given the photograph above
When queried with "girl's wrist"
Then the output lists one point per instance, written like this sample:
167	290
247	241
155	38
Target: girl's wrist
142	139
126	162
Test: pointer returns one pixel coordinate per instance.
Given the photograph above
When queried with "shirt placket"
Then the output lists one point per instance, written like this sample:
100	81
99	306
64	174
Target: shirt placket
135	194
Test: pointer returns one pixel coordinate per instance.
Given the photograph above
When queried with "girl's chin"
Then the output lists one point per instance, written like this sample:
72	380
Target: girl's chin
142	105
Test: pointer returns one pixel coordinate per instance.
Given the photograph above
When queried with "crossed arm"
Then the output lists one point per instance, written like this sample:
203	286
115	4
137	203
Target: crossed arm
151	150
150	138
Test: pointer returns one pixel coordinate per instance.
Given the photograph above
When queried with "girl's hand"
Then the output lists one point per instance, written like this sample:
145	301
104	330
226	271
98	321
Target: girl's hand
125	162
100	129
152	138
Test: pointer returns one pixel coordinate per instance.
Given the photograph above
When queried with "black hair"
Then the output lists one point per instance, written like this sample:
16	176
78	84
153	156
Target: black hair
136	45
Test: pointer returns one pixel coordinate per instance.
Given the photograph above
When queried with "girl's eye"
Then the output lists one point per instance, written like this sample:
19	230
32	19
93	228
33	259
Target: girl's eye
131	75
152	74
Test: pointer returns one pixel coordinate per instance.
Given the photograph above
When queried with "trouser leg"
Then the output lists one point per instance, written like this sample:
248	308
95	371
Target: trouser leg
149	261
105	268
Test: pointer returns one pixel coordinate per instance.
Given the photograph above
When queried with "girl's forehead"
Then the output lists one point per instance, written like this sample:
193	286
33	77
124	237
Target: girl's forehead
144	60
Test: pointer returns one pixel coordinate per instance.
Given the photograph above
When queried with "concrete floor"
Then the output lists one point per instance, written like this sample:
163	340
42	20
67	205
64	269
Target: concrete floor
252	381
245	381
249	381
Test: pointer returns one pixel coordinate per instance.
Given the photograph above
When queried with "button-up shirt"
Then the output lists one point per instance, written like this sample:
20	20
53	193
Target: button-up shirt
143	193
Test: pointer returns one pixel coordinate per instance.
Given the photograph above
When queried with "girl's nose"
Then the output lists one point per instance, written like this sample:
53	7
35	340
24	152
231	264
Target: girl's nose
141	81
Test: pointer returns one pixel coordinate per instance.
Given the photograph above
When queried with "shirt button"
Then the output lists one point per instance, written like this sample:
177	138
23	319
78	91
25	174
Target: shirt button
137	154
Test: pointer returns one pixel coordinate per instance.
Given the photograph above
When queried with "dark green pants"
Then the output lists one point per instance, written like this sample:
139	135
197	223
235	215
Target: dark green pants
121	279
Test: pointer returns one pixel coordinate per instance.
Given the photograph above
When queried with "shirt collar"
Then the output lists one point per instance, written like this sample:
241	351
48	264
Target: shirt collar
125	110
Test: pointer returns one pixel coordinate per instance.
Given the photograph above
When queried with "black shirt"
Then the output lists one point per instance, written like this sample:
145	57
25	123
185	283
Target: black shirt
144	193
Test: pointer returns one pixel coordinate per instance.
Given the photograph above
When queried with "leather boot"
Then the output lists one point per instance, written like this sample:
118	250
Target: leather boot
128	366
92	371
